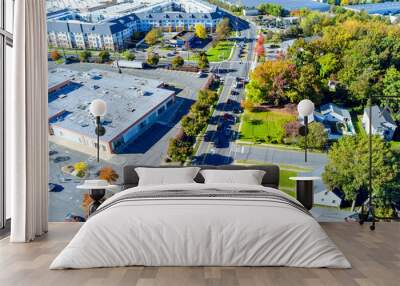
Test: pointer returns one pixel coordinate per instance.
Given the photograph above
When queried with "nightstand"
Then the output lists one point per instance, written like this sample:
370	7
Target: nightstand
97	190
305	190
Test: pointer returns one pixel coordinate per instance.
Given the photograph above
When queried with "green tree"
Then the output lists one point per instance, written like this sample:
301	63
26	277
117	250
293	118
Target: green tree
153	36
254	93
179	150
203	62
348	166
271	9
314	22
223	29
207	97
200	31
152	58
104	56
391	83
84	56
307	85
192	126
130	56
200	110
328	64
316	137
177	62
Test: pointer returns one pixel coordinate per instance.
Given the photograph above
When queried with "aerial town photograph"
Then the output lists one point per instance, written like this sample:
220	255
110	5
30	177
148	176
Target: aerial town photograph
219	82
199	142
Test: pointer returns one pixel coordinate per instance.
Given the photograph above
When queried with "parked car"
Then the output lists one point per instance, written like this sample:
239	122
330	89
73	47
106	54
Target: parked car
60	159
55	188
229	117
237	110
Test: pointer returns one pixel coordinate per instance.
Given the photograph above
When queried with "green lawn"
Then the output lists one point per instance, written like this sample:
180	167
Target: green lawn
218	53
265	126
286	185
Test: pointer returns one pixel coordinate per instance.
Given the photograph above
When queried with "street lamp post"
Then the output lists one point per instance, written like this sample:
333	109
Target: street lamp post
370	210
98	108
305	109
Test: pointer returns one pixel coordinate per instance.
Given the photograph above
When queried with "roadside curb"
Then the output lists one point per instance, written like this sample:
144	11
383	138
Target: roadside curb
282	148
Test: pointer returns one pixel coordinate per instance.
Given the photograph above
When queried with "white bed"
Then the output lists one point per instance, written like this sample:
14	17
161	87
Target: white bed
201	231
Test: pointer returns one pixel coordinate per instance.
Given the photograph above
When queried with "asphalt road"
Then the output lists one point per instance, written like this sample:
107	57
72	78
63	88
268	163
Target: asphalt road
221	132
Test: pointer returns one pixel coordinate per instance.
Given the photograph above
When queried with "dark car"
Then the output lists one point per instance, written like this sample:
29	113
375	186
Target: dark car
229	117
60	159
237	110
55	188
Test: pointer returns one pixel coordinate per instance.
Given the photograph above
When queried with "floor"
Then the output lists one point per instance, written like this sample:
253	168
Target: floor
375	257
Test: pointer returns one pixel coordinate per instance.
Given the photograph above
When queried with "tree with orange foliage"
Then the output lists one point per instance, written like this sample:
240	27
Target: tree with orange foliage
260	51
259	48
55	55
272	82
108	174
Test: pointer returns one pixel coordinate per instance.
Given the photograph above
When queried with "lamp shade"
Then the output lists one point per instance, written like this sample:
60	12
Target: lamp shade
98	107
305	107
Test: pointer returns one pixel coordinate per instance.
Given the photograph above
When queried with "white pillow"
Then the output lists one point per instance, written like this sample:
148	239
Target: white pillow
248	177
166	176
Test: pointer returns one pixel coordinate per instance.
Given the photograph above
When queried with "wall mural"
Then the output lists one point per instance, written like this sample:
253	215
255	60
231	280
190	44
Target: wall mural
184	83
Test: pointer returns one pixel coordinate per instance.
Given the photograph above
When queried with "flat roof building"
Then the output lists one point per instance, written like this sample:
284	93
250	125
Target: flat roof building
133	105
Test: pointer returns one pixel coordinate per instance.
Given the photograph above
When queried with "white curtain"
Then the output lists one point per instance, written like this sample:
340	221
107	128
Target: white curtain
27	127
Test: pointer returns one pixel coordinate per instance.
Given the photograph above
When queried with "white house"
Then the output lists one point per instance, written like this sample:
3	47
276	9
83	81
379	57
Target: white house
337	120
327	198
382	122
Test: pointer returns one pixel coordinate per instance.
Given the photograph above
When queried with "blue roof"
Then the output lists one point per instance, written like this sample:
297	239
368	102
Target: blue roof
289	5
385	8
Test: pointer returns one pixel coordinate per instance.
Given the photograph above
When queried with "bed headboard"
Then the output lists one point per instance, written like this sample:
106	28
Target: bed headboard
271	177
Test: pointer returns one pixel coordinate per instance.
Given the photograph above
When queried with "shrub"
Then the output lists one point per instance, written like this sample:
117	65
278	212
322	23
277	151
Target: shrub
316	138
292	128
177	62
84	56
130	56
55	55
203	62
153	58
81	166
104	56
108	174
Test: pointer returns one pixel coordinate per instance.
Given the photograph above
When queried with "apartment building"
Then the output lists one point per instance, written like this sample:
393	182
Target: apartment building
69	28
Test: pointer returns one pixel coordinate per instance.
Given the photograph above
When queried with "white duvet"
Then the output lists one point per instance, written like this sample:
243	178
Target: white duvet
202	232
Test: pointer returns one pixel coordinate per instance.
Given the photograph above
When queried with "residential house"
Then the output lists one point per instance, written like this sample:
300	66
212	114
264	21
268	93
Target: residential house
382	122
337	120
